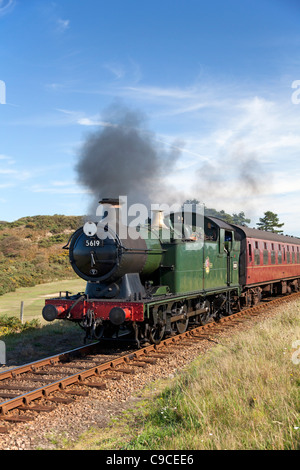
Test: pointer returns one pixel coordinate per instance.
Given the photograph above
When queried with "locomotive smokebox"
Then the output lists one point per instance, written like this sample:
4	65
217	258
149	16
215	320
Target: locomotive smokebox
115	256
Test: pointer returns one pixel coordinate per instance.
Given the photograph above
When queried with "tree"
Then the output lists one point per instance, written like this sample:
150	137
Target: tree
210	212
269	222
240	219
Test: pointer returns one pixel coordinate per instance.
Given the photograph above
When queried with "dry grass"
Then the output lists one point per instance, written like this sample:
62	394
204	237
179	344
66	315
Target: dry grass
243	394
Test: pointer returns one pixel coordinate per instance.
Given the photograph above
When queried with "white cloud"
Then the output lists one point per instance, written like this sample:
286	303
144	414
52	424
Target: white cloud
9	160
55	86
225	127
62	25
11	173
128	69
228	136
160	92
116	69
6	6
88	122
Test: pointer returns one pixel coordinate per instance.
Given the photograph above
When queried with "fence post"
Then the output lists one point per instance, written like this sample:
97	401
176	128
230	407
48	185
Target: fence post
22	311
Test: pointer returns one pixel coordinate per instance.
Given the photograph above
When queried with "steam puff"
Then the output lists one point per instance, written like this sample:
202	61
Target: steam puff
125	159
235	174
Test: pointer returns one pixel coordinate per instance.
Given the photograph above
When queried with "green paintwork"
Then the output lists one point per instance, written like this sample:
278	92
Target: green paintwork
220	266
154	251
187	268
182	266
202	266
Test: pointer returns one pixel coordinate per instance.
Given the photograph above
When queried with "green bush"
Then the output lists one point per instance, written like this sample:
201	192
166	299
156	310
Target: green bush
53	240
25	258
10	325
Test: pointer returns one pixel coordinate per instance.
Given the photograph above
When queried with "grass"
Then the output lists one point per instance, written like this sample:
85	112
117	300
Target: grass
34	344
42	339
34	297
243	394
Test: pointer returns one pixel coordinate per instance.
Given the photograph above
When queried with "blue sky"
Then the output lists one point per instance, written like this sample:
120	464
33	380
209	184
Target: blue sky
215	77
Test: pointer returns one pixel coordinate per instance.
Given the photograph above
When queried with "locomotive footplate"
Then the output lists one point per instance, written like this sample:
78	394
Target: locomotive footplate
65	308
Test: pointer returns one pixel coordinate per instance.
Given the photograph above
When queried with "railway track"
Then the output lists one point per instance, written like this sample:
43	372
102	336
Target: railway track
41	386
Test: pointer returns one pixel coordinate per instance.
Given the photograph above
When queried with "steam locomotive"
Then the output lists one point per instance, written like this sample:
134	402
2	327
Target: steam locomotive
177	271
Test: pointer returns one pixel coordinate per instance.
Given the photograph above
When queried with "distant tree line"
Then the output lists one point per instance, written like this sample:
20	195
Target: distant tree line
270	221
238	219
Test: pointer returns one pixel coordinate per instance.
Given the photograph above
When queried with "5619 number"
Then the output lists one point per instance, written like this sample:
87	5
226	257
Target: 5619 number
93	243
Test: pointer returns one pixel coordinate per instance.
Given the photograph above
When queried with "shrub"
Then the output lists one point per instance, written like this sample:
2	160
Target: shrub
11	246
11	325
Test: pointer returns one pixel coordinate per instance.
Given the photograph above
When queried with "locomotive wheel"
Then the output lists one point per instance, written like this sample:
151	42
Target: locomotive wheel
180	309
156	334
98	332
206	317
181	326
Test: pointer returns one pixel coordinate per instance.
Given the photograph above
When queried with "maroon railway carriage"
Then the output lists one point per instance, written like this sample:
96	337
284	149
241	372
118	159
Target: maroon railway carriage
269	263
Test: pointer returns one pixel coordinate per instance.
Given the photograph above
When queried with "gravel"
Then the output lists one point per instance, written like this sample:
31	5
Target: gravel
48	430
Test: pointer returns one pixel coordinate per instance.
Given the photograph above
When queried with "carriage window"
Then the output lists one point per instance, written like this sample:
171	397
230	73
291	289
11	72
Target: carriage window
256	245
273	258
256	256
250	251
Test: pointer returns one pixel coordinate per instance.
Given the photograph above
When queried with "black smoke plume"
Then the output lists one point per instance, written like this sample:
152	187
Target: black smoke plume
124	159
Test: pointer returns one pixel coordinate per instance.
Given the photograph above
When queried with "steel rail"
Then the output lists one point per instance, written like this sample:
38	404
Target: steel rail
132	359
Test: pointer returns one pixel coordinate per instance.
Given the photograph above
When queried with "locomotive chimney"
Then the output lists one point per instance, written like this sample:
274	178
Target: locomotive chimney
158	219
110	212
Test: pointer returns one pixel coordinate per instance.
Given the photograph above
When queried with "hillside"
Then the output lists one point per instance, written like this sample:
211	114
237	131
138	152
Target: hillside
31	250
